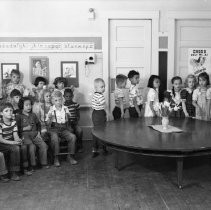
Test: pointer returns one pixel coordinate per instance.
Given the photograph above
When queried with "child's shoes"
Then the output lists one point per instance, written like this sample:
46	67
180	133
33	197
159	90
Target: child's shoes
4	178
27	172
15	177
71	160
95	154
105	151
56	162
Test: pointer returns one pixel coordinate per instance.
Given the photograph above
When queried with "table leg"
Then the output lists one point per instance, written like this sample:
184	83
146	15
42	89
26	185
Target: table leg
117	160
179	172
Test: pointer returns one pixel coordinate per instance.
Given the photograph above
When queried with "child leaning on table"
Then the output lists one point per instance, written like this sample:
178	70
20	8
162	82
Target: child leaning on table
57	119
135	98
152	96
120	100
187	94
98	113
202	97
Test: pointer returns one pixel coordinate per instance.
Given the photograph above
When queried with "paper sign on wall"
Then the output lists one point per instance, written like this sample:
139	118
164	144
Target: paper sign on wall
199	60
46	46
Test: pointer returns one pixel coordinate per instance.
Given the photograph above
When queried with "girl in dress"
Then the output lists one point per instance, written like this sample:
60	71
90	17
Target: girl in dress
39	83
152	96
186	96
42	110
202	97
174	98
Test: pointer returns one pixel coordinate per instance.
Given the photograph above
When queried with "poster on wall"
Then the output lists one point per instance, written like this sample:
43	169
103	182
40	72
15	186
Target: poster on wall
6	69
69	70
39	67
199	60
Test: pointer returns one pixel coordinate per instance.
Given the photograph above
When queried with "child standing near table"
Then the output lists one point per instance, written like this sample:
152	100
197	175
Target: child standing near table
152	96
135	98
99	113
174	98
120	101
202	97
187	94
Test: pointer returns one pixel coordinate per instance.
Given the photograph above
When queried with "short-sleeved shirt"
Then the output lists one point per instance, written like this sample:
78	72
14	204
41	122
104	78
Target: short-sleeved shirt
135	93
7	131
197	92
119	93
58	116
73	108
152	96
98	101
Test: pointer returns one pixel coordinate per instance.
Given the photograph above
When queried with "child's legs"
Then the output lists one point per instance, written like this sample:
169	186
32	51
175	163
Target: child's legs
133	113
14	156
116	113
79	134
54	142
98	119
32	154
71	140
24	155
27	138
42	150
3	169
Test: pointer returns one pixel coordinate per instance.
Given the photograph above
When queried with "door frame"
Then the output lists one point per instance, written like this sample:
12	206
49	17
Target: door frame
136	15
172	17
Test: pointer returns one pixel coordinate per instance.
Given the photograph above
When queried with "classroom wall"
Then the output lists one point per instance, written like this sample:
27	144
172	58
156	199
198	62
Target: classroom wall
25	18
69	18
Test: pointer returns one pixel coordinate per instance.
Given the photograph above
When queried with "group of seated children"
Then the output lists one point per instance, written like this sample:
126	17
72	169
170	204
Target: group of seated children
34	121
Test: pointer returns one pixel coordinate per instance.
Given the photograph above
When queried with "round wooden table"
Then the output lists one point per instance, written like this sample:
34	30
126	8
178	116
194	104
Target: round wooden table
135	136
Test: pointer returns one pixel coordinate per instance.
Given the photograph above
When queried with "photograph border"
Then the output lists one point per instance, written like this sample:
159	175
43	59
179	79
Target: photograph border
70	81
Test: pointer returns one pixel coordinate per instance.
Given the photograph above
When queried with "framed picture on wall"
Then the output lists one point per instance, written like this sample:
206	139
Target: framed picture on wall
6	69
39	67
69	70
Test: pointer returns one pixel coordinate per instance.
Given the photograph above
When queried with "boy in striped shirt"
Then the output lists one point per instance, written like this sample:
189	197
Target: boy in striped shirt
74	110
98	114
9	140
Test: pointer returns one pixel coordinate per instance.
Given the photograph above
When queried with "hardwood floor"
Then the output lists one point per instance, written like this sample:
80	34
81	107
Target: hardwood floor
94	184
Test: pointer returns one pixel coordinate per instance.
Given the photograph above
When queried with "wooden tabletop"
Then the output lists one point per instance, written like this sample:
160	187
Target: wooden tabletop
136	134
